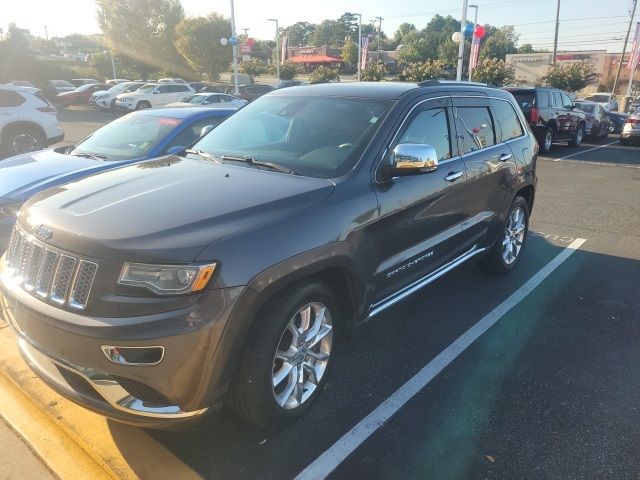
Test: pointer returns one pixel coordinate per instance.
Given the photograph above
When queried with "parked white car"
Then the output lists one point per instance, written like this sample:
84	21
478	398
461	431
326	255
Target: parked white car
28	121
153	95
607	100
214	100
107	98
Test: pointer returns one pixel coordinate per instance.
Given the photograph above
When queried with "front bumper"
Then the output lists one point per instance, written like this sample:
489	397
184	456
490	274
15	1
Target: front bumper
65	350
124	105
101	102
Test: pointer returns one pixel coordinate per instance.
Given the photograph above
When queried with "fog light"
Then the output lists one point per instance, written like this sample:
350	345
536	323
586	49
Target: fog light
136	356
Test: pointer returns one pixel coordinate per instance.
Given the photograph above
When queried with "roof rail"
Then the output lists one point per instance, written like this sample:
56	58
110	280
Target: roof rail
431	83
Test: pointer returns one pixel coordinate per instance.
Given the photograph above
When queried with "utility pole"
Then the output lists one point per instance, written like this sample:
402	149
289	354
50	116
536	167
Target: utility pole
475	22
624	49
359	45
555	38
379	33
236	87
46	33
463	23
277	47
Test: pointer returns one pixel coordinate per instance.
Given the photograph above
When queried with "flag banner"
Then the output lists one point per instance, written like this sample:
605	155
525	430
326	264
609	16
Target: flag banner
635	50
284	45
475	51
365	51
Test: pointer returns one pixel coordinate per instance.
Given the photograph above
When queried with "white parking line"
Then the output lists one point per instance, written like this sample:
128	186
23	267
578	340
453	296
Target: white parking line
339	451
584	151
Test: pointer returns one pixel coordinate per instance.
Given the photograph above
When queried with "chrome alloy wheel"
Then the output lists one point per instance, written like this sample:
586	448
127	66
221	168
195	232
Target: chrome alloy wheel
302	355
579	135
548	141
513	236
25	143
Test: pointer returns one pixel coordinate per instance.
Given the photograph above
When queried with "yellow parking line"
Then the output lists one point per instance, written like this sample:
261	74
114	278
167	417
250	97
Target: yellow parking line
74	442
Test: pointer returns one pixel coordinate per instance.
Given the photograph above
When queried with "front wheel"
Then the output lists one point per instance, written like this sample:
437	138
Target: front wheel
143	105
578	137
547	141
21	140
287	357
507	251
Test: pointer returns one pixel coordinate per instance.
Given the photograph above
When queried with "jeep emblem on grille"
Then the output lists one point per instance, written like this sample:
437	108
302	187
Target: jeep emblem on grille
42	232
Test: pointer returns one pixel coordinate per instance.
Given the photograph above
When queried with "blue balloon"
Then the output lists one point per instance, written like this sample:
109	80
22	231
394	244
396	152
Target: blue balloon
233	41
467	31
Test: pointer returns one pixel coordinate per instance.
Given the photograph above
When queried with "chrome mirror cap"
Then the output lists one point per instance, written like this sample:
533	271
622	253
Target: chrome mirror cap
414	158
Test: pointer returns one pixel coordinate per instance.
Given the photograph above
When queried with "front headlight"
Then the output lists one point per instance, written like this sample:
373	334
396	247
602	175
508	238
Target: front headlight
167	279
10	210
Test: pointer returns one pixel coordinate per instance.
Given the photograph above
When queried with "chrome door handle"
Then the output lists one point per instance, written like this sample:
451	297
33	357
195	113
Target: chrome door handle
453	176
505	156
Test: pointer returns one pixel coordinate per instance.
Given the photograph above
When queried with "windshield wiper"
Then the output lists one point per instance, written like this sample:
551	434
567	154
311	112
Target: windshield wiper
89	155
251	161
202	154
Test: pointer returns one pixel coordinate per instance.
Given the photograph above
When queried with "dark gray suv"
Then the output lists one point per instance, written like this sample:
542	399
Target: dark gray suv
159	292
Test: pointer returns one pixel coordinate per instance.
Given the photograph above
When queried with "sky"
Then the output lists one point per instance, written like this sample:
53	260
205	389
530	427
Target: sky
584	24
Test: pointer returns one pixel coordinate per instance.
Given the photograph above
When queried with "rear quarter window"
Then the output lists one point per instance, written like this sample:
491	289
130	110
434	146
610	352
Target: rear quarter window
11	99
508	124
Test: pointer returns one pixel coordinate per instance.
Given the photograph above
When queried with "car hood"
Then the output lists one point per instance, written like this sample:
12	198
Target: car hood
70	92
99	93
168	209
23	175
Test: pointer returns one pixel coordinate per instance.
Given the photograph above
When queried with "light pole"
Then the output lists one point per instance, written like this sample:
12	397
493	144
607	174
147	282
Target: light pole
236	87
277	47
113	65
555	37
475	22
359	15
379	34
463	23
624	49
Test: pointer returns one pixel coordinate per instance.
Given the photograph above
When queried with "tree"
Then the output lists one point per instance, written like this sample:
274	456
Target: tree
101	64
374	72
330	33
426	70
254	68
498	42
494	72
526	48
323	74
148	45
570	76
289	70
350	52
299	34
403	29
197	40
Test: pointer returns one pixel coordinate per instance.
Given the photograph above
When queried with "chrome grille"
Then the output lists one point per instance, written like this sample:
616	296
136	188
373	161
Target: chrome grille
60	277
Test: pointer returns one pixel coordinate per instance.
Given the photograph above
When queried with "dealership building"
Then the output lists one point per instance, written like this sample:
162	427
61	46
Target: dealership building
530	67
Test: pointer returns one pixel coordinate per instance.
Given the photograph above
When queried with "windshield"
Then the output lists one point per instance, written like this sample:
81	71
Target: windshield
61	83
195	99
586	107
84	88
313	136
131	136
598	98
147	88
120	87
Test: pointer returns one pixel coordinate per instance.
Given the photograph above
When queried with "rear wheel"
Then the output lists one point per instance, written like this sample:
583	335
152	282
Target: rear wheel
287	357
507	251
577	138
18	140
547	141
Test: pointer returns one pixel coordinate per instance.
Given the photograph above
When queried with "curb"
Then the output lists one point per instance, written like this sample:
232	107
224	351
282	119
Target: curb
74	442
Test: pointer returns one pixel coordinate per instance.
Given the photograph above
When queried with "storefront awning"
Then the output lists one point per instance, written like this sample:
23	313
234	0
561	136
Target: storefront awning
314	59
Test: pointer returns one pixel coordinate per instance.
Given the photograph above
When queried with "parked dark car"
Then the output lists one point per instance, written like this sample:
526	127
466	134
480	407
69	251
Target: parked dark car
631	130
551	114
597	119
217	88
81	95
617	121
156	293
251	92
135	137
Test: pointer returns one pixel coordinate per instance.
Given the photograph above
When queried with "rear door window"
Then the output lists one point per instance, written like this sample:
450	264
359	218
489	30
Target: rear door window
542	99
10	99
567	103
475	129
508	125
557	100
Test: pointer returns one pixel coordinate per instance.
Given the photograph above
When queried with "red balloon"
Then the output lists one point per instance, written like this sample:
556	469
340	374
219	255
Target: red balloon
250	42
479	32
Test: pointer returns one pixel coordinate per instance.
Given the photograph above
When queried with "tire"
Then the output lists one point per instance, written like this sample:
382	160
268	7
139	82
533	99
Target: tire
624	141
18	140
112	106
547	141
498	261
142	105
576	140
253	395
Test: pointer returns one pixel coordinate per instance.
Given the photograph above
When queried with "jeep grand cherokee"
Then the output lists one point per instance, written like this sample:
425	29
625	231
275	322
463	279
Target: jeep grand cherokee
156	293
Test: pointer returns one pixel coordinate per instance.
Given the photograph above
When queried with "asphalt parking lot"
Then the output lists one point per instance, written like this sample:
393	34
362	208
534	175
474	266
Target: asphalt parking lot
531	375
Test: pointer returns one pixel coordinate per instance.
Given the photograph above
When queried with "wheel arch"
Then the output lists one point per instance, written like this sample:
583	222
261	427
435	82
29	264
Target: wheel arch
23	124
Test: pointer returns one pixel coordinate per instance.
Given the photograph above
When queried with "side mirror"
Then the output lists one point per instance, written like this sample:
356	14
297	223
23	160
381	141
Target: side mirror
206	129
413	159
175	149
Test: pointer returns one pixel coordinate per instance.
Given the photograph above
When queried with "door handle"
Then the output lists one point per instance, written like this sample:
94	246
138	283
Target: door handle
505	156
453	176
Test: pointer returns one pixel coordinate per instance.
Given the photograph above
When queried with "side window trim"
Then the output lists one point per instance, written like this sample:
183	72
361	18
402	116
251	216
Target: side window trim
497	124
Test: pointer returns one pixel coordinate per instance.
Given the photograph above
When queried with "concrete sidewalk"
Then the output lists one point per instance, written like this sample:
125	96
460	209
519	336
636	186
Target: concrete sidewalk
17	461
